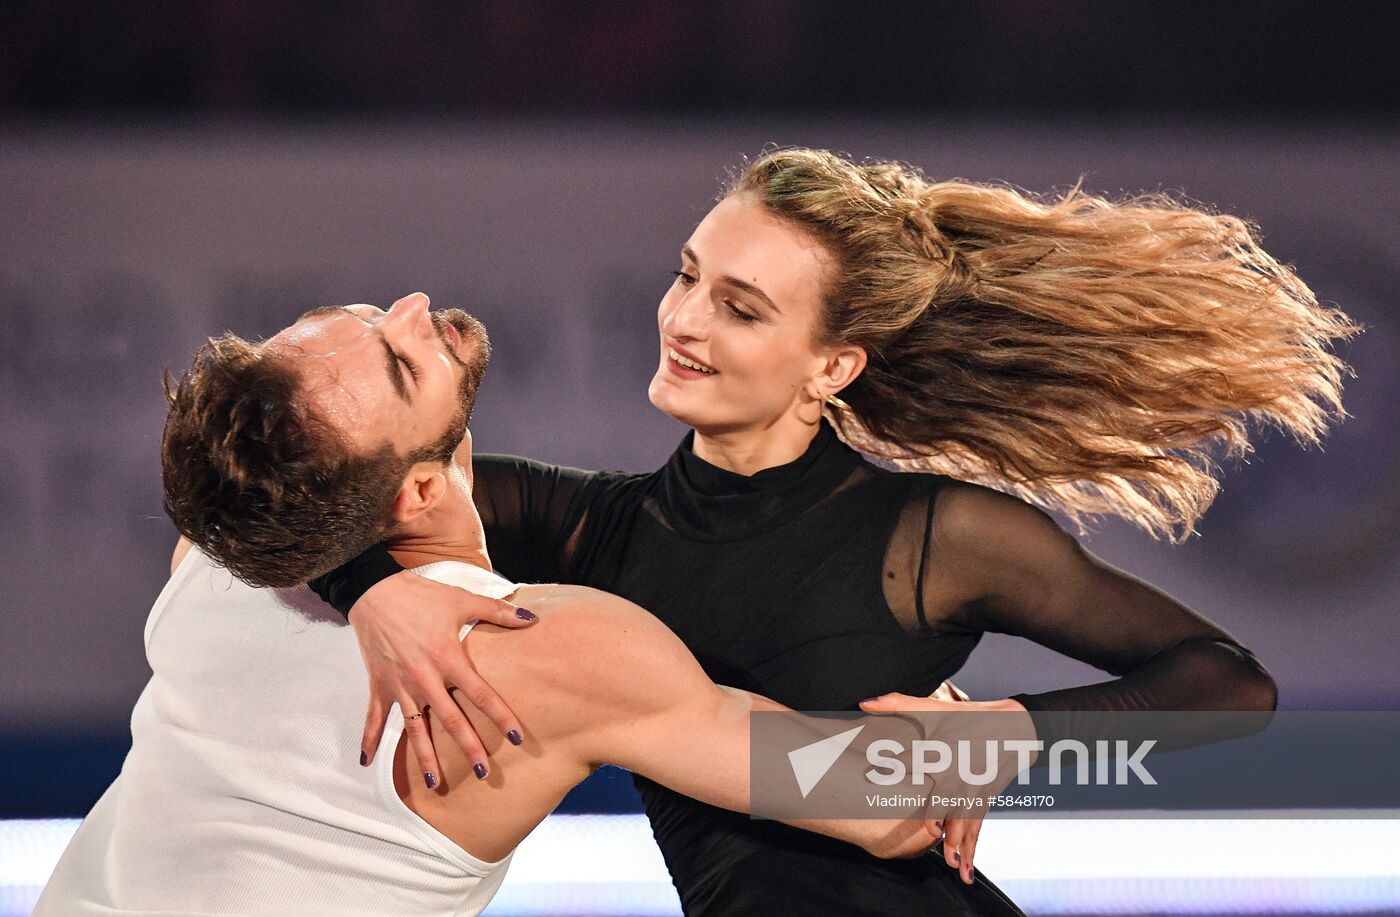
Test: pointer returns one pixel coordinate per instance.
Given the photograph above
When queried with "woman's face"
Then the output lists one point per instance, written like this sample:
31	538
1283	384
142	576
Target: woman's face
744	307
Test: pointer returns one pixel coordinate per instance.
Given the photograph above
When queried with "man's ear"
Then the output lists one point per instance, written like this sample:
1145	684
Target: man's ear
422	488
841	368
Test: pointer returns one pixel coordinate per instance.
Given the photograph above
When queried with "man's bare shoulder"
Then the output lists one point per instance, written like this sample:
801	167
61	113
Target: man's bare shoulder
572	597
586	643
588	625
182	547
583	606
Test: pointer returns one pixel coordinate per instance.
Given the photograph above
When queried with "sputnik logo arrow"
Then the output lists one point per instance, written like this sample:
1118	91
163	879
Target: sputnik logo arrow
811	762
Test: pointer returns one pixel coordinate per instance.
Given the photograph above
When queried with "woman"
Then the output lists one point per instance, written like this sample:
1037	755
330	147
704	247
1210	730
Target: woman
1081	354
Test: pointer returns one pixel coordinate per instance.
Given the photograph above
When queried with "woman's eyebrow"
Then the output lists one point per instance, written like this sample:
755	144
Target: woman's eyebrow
744	285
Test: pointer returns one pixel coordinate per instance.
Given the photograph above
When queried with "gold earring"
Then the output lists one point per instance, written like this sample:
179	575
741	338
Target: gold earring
837	403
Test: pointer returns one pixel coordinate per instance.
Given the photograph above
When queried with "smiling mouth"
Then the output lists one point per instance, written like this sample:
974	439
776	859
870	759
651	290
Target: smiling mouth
689	363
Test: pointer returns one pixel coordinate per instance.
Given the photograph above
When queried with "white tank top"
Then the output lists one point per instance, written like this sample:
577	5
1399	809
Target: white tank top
243	792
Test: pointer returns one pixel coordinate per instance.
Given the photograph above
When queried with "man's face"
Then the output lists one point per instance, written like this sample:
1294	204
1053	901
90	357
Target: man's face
407	377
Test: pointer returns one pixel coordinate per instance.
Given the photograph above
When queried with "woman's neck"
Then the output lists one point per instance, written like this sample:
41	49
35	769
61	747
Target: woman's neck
748	452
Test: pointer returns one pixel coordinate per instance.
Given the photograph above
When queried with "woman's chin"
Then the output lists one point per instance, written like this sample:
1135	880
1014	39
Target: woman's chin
664	397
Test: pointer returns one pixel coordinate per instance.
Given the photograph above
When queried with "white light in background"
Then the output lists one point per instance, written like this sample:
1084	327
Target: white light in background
608	864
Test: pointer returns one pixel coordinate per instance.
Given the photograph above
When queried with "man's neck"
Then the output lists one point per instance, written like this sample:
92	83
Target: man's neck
413	556
451	530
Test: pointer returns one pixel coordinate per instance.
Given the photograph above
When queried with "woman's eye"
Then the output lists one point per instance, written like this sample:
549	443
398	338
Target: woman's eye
740	314
684	278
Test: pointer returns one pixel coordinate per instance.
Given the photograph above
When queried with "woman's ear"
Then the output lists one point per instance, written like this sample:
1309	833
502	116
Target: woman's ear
422	488
842	367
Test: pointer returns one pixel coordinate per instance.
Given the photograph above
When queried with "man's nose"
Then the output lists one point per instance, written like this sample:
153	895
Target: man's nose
409	314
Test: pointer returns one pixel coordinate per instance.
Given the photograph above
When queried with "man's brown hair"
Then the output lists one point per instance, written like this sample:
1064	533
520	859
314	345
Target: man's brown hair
258	482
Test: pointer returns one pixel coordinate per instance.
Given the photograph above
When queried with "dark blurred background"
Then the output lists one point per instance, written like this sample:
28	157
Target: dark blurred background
1253	59
169	170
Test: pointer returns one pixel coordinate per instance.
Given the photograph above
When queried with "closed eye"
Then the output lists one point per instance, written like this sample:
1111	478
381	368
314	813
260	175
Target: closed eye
740	314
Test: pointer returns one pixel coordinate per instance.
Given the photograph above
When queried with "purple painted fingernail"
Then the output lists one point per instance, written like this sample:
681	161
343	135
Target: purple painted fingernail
364	758
524	614
957	857
430	779
479	770
515	737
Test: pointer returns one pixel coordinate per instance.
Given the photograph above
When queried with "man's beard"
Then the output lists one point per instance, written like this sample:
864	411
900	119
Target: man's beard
473	335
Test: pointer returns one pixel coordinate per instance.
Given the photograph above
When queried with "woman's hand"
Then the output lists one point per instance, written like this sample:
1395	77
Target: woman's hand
959	834
407	627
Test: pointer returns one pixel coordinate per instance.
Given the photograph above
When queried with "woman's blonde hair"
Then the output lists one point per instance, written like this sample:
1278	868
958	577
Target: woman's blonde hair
1088	355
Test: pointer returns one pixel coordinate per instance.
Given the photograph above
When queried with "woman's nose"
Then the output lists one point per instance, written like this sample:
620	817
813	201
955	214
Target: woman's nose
687	317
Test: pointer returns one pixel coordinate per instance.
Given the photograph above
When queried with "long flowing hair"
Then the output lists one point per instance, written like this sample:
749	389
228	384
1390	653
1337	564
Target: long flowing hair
1091	356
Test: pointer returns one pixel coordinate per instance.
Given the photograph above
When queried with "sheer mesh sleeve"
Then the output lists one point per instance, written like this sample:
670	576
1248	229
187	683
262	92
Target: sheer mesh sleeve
995	563
531	512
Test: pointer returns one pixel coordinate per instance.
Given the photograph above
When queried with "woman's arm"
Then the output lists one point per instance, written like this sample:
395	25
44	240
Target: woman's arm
997	563
532	514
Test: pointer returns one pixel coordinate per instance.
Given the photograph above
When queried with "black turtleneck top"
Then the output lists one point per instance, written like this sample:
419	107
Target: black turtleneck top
826	581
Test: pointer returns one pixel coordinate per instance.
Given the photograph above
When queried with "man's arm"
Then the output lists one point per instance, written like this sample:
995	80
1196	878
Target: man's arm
613	685
407	626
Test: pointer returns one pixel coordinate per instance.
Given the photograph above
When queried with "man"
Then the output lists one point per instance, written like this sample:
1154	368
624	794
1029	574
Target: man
281	460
